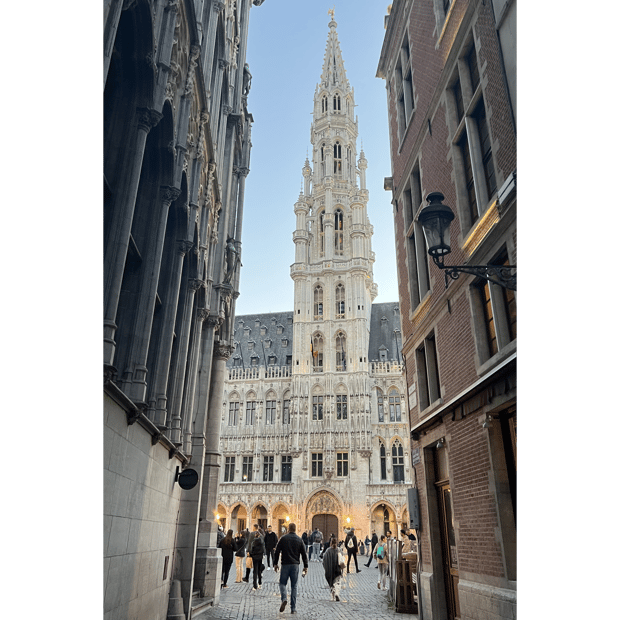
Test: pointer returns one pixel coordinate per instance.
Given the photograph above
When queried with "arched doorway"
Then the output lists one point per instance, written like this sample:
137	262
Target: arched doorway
324	512
259	515
220	516
239	518
384	519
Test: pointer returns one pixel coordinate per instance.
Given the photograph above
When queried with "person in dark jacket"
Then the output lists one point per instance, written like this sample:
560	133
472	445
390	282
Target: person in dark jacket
333	568
373	543
257	551
350	544
271	540
240	541
291	548
228	547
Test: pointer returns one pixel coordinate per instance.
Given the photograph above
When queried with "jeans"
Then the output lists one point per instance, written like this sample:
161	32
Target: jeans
270	554
289	571
316	550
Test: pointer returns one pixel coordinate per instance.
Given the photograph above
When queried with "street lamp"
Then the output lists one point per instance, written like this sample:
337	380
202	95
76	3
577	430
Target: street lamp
435	219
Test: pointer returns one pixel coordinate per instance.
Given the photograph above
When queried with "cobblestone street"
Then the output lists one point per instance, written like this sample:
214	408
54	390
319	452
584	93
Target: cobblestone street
360	598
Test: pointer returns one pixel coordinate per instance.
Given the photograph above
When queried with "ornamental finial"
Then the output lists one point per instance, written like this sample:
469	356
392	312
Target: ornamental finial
331	12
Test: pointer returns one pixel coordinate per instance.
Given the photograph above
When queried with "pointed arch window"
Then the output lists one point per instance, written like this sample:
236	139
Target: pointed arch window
398	462
338	160
341	353
324	104
380	405
323	159
250	411
233	412
383	460
394	397
339	232
317	407
340	301
317	353
270	408
318	303
337	103
322	233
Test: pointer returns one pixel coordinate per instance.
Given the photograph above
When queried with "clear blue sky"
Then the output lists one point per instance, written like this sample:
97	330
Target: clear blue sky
286	46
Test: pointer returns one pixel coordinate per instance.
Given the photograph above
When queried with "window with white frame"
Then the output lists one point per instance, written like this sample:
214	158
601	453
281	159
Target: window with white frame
268	468
250	412
287	468
286	411
233	413
398	462
229	469
394	398
428	372
317	407
317	465
342	464
341	407
270	411
247	468
338	160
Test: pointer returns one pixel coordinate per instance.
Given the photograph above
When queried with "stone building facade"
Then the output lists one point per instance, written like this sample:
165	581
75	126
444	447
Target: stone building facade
313	430
450	74
177	151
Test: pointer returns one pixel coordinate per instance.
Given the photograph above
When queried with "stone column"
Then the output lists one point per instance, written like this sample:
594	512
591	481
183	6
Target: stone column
120	227
194	362
208	47
133	382
177	401
208	558
161	370
216	98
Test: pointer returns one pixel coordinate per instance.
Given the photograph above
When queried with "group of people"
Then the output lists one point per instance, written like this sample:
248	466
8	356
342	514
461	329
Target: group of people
290	549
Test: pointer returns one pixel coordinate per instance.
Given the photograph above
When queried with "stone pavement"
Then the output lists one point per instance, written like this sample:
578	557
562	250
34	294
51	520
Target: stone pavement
360	598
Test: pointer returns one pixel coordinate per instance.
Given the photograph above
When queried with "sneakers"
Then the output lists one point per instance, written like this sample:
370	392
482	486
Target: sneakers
378	586
358	570
337	598
282	606
260	586
253	588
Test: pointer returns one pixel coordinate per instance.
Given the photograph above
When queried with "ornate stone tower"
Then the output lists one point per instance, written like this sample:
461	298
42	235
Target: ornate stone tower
333	277
312	428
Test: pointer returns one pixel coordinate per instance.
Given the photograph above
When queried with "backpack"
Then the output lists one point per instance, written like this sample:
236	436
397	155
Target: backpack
350	544
317	537
256	545
381	553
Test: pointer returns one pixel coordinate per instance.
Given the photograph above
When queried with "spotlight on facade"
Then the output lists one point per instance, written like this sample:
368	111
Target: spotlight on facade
440	444
487	422
435	219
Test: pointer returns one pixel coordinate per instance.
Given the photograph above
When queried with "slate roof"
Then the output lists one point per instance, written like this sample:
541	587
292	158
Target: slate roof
275	330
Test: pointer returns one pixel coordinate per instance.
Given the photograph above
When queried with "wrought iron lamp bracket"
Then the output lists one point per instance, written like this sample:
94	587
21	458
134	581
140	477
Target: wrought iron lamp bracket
502	275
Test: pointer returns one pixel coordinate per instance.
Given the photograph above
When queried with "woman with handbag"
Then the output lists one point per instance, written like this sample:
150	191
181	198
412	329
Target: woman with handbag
239	555
333	564
228	547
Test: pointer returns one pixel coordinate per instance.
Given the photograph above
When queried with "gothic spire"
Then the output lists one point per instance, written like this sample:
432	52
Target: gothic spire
334	75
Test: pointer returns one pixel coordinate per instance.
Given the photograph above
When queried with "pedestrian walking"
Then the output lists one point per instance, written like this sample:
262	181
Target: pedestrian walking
381	554
291	547
333	564
317	537
367	545
240	541
373	543
228	547
257	551
271	540
350	543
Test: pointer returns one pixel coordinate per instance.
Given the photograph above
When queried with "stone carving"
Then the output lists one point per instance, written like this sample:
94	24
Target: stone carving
148	118
193	61
324	503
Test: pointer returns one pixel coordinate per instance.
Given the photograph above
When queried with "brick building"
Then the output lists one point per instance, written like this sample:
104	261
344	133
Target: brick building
450	74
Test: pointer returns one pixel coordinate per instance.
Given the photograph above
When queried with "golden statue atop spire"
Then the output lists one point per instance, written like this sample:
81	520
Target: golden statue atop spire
331	12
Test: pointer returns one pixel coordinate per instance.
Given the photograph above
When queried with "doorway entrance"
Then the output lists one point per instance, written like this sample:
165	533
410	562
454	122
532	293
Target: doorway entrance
327	524
449	556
